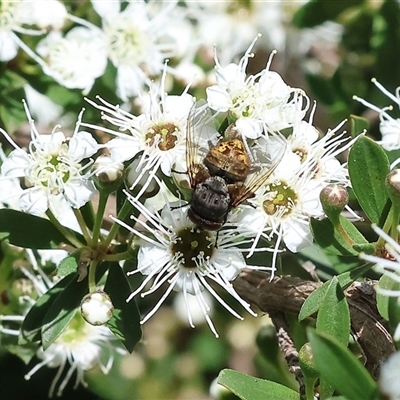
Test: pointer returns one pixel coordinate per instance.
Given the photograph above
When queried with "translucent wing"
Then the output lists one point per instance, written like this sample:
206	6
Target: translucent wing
256	180
200	132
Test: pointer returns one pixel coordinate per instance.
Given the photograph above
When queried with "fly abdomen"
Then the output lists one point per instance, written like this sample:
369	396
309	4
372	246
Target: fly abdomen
210	203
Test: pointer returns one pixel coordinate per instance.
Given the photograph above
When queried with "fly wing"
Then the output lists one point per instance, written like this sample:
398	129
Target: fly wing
256	180
200	132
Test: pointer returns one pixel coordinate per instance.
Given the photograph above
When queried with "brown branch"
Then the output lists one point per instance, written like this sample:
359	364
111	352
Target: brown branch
287	294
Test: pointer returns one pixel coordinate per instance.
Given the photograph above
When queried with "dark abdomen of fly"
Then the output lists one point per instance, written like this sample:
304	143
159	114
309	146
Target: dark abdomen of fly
210	203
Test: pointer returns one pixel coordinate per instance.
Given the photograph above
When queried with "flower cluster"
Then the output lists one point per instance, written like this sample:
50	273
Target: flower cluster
136	38
282	179
238	174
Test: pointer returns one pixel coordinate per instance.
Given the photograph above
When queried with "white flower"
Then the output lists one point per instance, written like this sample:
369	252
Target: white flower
137	42
74	60
11	20
178	253
160	132
257	102
291	195
7	187
51	169
79	348
44	14
231	25
389	382
389	265
389	126
284	206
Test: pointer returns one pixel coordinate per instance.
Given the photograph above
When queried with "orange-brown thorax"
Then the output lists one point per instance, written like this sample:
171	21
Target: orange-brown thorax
229	160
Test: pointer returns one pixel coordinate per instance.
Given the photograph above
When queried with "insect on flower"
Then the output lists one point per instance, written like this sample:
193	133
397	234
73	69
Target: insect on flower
222	175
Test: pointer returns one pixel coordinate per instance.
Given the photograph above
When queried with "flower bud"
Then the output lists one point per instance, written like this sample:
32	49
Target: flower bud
107	174
307	362
136	178
97	308
333	199
393	185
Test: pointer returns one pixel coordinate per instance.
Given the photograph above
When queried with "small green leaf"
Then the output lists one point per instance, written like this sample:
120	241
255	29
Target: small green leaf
29	231
64	307
61	312
248	387
339	240
8	255
12	113
382	301
368	168
358	125
313	302
30	329
25	352
67	266
388	305
333	319
367	248
333	314
125	322
341	368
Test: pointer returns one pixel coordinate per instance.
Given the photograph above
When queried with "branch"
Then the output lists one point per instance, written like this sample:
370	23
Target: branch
287	294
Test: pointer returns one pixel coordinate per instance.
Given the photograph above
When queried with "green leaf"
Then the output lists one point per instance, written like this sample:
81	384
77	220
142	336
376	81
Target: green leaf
338	398
29	231
315	12
382	301
367	248
24	352
62	310
8	256
388	305
333	314
12	113
30	329
341	240
333	319
368	168
313	302
64	307
358	125
248	387
125	322
67	266
341	368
